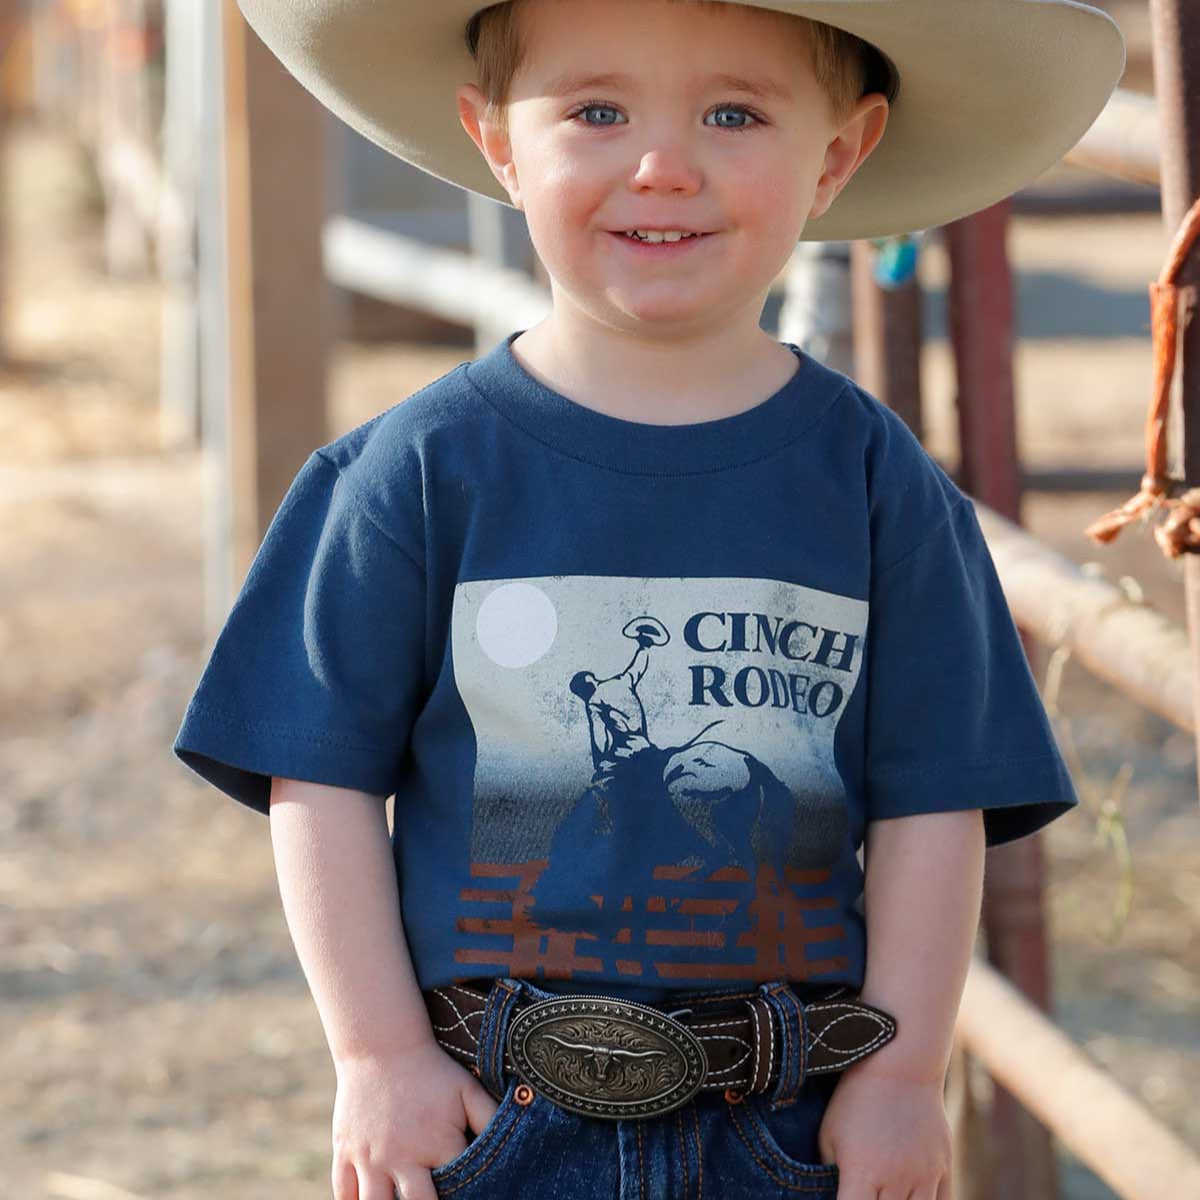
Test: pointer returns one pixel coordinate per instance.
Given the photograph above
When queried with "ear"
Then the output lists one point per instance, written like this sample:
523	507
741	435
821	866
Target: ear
849	149
493	142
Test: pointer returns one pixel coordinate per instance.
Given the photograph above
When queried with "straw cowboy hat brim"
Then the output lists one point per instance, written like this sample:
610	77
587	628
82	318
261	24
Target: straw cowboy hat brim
992	93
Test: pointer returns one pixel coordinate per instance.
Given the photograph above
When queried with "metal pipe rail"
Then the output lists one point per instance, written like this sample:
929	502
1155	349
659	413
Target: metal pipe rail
1106	1127
450	284
1125	139
1132	646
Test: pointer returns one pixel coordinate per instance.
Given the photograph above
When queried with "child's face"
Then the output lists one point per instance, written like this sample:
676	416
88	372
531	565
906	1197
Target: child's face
669	147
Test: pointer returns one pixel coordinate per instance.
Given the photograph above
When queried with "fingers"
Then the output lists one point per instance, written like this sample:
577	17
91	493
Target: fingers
481	1106
371	1181
933	1190
376	1184
344	1179
851	1187
415	1183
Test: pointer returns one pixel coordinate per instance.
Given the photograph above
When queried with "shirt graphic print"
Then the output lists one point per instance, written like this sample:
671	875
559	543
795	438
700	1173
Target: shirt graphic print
675	734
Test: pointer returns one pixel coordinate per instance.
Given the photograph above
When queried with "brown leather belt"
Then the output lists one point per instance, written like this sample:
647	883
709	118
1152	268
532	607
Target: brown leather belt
593	1054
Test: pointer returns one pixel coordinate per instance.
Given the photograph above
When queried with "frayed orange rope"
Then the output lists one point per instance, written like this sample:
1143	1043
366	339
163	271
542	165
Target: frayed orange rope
1180	532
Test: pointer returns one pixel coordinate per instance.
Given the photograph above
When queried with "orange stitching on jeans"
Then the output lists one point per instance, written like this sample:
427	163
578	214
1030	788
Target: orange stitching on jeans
764	1136
517	1115
502	1011
814	1184
641	1165
699	1155
505	1013
682	1154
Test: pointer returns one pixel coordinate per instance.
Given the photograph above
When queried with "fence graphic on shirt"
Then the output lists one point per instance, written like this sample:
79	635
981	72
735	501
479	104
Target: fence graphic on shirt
750	848
777	937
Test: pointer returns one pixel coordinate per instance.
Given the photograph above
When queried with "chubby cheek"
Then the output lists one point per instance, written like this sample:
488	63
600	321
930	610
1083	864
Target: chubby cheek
767	200
563	209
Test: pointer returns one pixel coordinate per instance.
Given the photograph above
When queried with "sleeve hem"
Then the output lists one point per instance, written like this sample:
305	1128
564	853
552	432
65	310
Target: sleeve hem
966	766
293	733
1017	796
240	757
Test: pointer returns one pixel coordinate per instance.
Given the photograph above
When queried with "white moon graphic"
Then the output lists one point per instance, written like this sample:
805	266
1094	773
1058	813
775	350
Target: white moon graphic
516	625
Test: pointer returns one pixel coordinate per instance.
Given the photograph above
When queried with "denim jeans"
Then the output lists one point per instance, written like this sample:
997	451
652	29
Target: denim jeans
759	1147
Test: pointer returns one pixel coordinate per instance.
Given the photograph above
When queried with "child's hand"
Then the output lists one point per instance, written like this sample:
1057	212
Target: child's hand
395	1119
889	1137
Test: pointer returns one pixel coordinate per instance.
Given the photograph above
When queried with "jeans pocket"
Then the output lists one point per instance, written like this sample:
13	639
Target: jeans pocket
781	1145
489	1146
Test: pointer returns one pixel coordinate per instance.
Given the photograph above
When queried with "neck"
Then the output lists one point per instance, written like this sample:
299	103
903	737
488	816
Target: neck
669	380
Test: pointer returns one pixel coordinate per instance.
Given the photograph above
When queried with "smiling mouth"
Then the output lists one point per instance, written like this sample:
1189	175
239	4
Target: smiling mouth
689	238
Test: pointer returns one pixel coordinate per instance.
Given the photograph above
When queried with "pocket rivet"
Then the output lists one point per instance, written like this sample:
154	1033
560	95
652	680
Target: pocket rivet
475	1070
523	1094
733	1095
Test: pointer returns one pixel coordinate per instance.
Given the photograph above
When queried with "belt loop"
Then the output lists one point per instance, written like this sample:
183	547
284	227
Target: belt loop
793	1040
766	1045
502	997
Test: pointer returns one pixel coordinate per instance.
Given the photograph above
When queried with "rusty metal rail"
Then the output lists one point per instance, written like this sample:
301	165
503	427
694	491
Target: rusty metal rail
1153	140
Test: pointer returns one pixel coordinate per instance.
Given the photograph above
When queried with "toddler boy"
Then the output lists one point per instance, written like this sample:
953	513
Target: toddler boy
649	622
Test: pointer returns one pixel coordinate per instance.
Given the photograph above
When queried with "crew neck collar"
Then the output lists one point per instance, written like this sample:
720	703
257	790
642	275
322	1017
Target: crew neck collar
639	448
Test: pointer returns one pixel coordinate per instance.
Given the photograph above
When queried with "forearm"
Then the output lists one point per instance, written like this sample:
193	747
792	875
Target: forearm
337	881
922	895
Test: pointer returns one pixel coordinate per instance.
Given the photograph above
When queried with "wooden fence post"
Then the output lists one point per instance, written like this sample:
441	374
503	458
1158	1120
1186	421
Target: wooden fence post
279	307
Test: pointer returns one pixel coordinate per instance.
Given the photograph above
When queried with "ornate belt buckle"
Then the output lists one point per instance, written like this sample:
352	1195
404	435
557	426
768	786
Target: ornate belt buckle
603	1057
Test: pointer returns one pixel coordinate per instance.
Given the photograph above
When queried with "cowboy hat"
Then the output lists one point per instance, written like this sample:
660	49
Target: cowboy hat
992	93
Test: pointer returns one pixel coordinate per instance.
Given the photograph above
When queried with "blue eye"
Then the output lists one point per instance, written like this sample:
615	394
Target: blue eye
736	108
597	105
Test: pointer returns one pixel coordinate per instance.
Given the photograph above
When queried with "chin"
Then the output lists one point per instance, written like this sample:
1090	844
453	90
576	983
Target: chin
669	322
681	311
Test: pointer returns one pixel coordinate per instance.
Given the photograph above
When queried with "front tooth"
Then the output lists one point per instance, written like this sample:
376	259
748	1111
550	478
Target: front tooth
653	235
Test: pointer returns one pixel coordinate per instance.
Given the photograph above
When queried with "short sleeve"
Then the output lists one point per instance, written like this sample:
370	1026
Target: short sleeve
954	717
317	673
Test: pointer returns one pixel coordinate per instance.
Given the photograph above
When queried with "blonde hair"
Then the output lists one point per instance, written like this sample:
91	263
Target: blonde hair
845	66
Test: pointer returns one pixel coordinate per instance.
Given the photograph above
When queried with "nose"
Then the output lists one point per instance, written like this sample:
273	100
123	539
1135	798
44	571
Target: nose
666	168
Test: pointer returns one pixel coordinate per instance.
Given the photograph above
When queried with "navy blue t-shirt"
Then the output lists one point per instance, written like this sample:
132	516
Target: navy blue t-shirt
637	688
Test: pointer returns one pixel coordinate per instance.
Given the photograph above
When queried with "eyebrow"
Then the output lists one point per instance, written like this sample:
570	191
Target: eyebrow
761	86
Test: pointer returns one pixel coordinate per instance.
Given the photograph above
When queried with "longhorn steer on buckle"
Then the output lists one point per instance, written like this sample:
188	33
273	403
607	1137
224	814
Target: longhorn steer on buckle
602	1057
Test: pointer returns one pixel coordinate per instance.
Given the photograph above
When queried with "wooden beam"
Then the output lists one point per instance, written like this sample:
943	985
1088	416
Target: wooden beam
280	309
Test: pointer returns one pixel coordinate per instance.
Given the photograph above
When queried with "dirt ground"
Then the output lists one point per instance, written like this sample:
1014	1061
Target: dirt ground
157	1038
